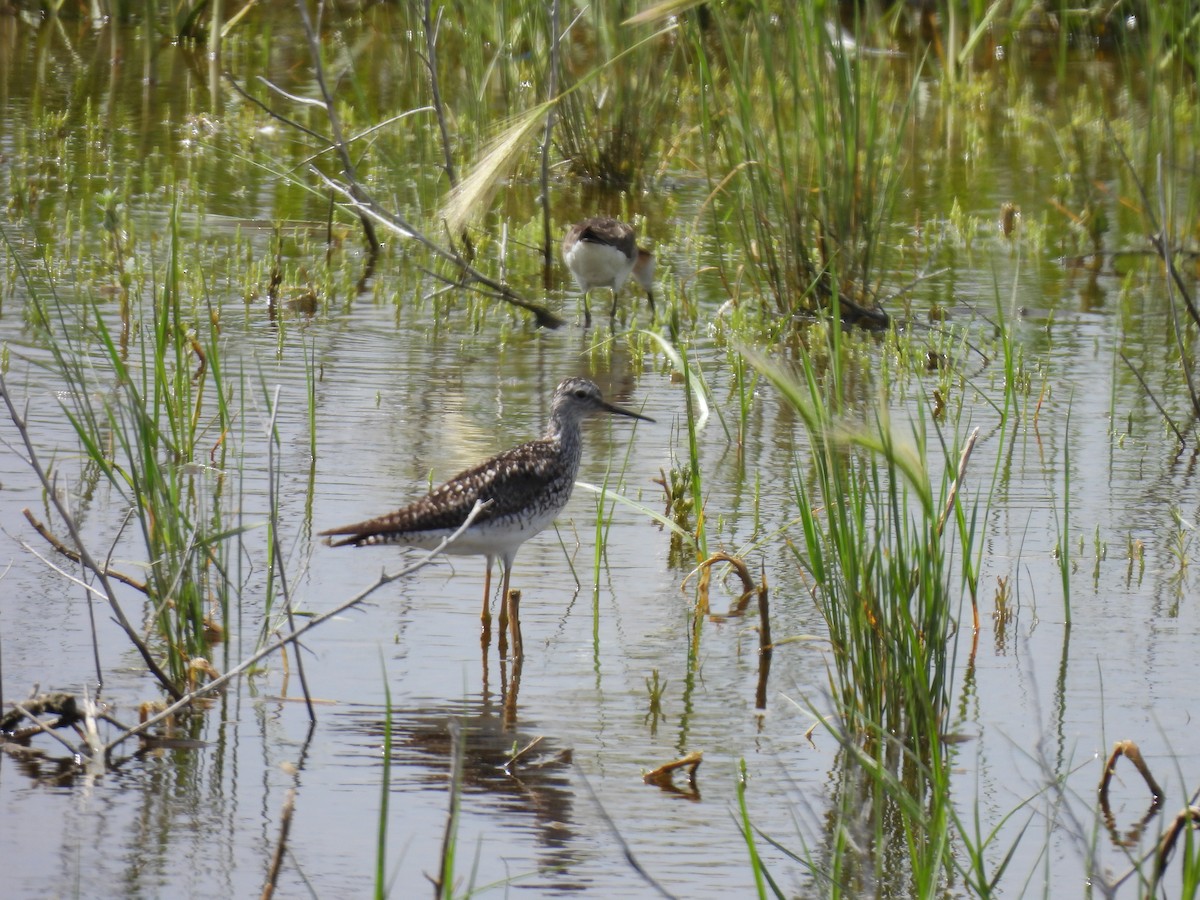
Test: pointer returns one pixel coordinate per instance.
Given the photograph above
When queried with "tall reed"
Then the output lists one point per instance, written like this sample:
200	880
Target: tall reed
385	793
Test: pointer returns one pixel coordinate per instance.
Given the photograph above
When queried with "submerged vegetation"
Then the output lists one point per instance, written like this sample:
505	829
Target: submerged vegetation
812	187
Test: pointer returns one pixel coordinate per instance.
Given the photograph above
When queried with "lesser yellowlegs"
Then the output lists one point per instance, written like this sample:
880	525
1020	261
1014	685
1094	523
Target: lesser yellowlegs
528	486
603	252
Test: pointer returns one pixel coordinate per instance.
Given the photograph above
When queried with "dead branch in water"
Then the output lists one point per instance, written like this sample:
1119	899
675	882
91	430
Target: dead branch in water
294	636
181	699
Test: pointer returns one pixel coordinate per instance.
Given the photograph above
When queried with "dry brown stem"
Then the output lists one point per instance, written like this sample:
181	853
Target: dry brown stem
1130	751
662	776
1189	815
285	826
765	645
951	497
702	586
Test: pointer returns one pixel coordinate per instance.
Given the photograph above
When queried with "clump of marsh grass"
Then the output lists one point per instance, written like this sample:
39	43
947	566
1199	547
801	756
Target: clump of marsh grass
879	535
1164	213
875	546
141	427
454	267
153	427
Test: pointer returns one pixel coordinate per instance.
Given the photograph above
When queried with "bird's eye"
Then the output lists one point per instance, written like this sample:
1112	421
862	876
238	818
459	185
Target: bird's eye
580	393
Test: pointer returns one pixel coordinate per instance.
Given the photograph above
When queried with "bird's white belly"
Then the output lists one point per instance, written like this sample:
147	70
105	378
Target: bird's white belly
598	265
486	539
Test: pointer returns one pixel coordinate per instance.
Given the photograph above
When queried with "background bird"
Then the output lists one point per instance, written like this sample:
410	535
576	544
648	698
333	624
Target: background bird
603	252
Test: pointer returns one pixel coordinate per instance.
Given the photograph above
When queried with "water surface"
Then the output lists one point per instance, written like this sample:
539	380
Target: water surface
410	388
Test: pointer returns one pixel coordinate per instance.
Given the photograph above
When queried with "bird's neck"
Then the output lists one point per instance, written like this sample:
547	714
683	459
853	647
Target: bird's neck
566	435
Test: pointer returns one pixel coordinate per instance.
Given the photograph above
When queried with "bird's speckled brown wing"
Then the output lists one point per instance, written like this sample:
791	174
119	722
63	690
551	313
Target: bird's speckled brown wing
515	481
609	232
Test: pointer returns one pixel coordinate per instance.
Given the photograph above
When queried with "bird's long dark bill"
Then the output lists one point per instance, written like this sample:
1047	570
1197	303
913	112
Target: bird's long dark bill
620	411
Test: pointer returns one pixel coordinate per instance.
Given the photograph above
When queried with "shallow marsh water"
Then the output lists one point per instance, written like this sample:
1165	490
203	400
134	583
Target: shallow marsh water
409	389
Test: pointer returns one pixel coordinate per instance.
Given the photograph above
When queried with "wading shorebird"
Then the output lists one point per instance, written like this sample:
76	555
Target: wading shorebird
603	252
527	487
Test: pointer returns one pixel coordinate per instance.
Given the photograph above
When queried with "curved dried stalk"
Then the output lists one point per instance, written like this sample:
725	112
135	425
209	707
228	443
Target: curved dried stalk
1131	752
662	776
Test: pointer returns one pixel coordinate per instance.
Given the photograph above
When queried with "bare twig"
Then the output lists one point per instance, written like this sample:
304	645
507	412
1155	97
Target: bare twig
1156	237
54	567
952	495
359	201
72	555
294	98
913	284
469	276
431	63
356	198
280	117
54	541
1162	412
167	597
304	129
435	91
551	91
95	635
285	826
1161	242
523	752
